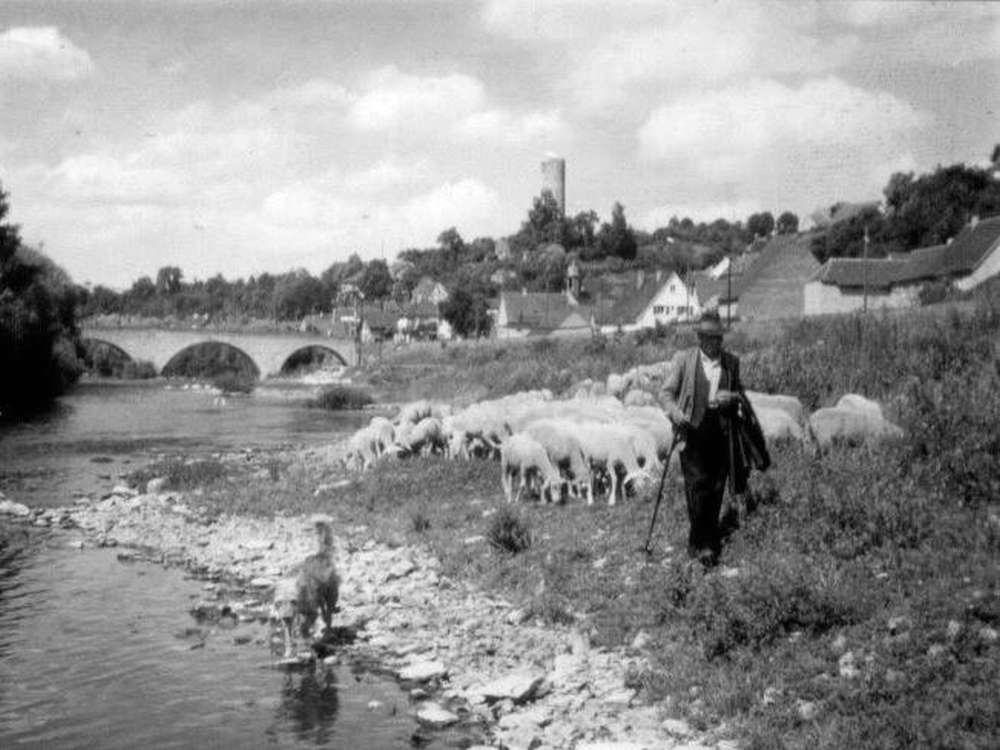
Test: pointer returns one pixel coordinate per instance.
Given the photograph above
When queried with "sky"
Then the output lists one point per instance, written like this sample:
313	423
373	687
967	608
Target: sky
265	136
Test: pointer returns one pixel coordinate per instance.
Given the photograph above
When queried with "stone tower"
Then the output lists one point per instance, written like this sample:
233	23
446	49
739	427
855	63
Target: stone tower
554	180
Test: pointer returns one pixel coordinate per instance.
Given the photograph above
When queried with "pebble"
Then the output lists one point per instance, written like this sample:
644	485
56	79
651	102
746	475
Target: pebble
10	508
677	727
518	686
423	671
434	715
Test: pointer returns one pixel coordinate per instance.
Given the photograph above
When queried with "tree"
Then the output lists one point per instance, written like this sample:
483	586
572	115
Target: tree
168	280
39	338
452	244
376	281
617	238
467	309
788	223
760	224
581	230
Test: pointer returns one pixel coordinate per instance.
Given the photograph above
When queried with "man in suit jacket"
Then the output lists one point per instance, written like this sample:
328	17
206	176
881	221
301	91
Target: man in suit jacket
699	392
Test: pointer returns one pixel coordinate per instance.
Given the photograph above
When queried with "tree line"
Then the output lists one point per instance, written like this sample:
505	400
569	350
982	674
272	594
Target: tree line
39	338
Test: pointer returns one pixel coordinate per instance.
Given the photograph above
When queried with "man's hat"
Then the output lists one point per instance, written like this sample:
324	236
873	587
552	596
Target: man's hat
710	324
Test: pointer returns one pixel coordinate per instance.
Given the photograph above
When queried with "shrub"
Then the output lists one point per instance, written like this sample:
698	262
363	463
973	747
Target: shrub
138	370
341	398
180	474
234	382
508	531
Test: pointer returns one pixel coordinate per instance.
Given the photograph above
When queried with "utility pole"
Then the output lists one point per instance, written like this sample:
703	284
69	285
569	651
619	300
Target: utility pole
864	269
729	293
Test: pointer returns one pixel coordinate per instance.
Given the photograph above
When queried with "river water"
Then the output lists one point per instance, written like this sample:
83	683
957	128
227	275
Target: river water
98	653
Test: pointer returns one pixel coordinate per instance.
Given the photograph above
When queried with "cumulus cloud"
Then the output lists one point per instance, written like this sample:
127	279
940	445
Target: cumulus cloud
727	133
41	53
392	99
469	205
497	125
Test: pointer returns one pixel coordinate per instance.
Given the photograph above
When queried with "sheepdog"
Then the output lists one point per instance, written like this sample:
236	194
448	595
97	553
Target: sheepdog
312	594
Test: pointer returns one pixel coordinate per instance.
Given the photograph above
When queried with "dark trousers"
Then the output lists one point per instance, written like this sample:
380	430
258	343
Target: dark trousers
705	464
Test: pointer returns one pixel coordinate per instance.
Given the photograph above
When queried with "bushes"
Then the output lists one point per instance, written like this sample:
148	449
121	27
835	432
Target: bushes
234	382
180	474
341	398
508	531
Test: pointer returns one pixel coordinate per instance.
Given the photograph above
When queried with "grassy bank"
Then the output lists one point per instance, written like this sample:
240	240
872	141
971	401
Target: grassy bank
863	601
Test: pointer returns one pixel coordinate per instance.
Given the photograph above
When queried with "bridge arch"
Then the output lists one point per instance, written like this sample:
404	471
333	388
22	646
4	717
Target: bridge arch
312	355
210	358
102	356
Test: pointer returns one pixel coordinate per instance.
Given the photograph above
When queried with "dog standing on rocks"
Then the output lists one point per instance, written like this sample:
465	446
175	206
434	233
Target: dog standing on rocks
311	594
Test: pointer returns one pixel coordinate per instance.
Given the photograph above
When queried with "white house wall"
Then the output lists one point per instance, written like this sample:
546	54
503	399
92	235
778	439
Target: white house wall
825	299
989	268
670	304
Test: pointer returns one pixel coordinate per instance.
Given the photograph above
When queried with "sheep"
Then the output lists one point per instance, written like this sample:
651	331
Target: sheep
385	433
564	451
855	402
426	436
788	404
521	456
363	449
413	412
778	425
609	446
851	426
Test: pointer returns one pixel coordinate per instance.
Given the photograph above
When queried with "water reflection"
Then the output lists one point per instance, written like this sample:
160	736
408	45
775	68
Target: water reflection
309	704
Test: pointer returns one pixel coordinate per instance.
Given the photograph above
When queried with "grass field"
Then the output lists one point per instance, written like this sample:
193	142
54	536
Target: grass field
857	605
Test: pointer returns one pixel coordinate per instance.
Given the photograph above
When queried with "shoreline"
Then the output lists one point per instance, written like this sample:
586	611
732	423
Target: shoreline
470	659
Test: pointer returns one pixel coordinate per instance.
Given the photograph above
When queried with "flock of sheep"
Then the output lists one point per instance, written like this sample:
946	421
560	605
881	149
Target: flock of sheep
600	438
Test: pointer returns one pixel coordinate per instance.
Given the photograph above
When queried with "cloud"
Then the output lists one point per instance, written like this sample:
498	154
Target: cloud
41	53
727	134
469	205
497	125
393	99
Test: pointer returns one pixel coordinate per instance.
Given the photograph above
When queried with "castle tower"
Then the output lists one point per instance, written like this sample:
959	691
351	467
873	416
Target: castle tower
554	180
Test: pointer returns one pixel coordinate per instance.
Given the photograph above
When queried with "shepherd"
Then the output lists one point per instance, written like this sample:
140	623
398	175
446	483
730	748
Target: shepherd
703	397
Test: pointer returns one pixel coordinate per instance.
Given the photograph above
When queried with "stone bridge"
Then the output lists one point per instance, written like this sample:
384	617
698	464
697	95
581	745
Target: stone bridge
269	351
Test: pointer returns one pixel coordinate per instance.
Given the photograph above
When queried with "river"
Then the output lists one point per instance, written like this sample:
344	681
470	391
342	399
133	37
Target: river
98	653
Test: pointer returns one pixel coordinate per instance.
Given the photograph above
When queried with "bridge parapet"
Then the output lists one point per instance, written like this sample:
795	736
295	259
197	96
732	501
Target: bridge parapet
269	351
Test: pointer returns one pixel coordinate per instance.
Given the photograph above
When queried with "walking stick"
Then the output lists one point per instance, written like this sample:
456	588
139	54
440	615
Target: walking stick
659	493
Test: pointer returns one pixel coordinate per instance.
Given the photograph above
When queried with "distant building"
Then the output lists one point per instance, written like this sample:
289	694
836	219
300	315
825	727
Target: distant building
643	301
554	180
846	284
524	314
771	283
429	291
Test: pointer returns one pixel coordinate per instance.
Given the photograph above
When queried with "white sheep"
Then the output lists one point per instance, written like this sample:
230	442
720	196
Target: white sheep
565	452
609	447
523	456
363	449
851	426
385	432
426	436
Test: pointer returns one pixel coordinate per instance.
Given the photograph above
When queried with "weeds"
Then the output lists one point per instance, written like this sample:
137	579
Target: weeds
180	474
508	531
342	398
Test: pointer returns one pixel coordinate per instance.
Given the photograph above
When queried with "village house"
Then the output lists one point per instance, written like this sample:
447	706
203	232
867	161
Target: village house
522	314
429	291
847	284
769	283
642	300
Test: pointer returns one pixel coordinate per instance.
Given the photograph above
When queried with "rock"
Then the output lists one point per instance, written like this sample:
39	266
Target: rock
433	715
10	508
374	705
613	746
988	634
76	544
954	628
517	686
771	695
622	697
935	650
676	727
847	667
476	539
423	671
123	490
400	570
899	623
839	645
156	485
262	583
517	616
806	710
641	640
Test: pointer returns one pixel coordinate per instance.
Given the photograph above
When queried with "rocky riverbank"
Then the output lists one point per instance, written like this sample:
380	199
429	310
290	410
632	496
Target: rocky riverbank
469	659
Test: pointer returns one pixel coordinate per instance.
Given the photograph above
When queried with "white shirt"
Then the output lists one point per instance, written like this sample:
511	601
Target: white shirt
713	371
